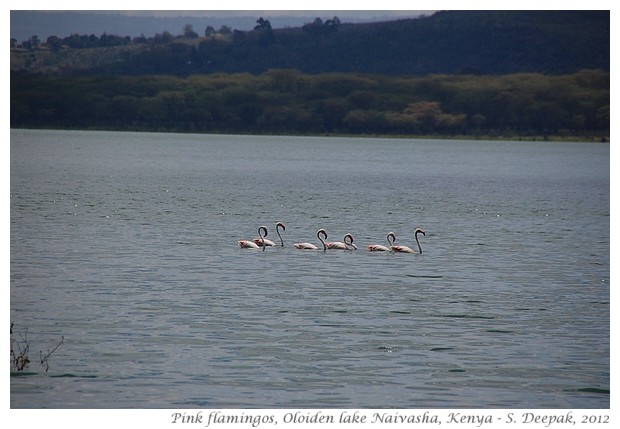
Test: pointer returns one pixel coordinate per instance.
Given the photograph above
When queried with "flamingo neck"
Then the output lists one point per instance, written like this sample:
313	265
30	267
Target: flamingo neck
349	242
262	237
322	240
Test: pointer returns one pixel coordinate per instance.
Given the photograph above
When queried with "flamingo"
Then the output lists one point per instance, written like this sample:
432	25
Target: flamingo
391	238
405	249
346	244
350	243
250	244
270	243
310	246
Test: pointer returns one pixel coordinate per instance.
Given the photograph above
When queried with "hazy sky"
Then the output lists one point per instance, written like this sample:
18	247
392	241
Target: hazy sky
365	10
133	7
202	11
46	22
305	5
271	12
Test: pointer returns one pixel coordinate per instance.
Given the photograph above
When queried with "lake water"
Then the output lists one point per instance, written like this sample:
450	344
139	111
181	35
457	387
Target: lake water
125	244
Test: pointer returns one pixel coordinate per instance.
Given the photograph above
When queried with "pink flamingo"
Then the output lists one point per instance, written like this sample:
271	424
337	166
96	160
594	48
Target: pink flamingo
310	246
405	249
346	244
380	248
269	243
250	244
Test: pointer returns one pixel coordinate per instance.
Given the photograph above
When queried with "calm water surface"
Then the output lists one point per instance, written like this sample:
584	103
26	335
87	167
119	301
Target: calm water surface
125	244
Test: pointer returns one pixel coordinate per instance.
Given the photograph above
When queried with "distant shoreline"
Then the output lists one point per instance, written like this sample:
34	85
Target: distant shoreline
556	139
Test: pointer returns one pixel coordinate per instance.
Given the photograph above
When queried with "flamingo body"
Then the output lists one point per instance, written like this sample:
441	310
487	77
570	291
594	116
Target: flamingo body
247	244
338	245
320	234
402	249
250	244
405	249
305	246
346	244
268	242
380	248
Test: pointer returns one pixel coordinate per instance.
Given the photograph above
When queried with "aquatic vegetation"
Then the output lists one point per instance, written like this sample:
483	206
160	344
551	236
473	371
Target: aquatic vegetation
20	349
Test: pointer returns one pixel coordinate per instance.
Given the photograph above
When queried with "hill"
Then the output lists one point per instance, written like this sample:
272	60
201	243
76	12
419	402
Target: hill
479	74
453	42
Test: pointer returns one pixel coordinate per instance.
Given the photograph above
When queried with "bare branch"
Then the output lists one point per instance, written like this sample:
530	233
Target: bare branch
44	359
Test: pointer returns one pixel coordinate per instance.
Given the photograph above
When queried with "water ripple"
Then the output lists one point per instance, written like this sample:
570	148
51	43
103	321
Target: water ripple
129	250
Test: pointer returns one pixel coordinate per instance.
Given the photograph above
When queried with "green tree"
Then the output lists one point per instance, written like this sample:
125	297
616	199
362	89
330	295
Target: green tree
262	24
165	37
365	121
209	31
283	80
265	31
332	111
426	117
54	43
188	31
34	41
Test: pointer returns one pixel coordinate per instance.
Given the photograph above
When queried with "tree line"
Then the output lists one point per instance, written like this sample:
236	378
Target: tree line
453	42
85	41
291	102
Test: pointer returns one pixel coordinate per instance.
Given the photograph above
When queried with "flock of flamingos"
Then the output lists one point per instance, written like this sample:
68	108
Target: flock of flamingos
346	244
